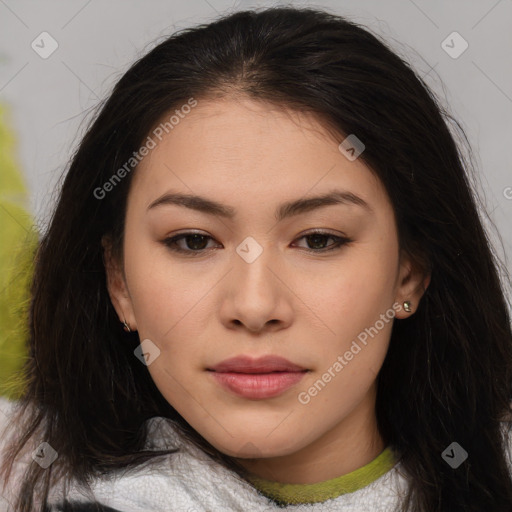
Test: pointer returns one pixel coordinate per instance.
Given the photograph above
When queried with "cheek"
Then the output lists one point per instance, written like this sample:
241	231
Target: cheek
169	300
154	286
351	295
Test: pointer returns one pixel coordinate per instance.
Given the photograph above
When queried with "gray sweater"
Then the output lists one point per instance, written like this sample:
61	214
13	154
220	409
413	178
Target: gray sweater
190	481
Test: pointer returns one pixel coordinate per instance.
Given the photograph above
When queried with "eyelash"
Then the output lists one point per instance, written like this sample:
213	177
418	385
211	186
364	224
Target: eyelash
339	243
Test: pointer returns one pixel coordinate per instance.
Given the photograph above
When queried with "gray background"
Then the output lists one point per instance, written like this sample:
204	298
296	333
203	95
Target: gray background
98	40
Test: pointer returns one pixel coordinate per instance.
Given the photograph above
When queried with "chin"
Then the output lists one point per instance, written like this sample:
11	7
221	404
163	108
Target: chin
257	445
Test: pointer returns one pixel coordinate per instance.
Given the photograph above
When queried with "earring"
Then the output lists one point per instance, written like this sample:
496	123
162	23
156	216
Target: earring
126	327
407	306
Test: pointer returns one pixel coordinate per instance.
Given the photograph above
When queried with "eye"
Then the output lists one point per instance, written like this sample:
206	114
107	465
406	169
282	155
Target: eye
196	243
318	238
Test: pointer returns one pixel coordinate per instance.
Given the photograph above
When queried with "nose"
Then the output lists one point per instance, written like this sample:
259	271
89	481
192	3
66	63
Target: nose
258	297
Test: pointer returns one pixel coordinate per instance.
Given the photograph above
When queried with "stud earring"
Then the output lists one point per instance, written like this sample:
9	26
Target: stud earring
407	306
126	327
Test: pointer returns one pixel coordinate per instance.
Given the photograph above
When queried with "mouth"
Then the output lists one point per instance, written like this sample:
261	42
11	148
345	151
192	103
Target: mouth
264	364
257	379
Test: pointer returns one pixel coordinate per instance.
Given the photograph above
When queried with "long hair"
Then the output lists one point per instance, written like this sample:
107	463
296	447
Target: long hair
448	371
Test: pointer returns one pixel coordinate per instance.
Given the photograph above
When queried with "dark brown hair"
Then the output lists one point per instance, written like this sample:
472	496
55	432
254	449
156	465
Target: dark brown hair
448	372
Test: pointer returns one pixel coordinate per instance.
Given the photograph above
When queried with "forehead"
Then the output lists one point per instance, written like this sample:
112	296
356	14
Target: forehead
234	149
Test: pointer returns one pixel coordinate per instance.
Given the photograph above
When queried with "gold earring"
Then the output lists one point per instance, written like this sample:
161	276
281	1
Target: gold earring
407	306
126	327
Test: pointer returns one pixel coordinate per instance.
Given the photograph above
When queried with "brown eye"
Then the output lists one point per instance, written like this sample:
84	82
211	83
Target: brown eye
194	242
316	241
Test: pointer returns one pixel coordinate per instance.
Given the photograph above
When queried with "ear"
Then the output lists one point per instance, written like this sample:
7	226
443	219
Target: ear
413	280
116	284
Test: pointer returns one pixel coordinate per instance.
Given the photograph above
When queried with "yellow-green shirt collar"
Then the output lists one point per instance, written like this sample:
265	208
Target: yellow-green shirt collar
294	494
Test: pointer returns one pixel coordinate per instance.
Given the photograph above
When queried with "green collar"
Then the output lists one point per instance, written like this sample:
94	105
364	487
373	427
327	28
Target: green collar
294	494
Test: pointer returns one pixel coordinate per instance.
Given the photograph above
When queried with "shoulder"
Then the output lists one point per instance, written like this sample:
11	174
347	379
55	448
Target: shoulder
80	507
6	407
7	430
190	480
506	430
185	480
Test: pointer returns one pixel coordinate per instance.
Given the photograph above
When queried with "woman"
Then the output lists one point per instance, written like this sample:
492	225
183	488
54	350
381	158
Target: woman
196	341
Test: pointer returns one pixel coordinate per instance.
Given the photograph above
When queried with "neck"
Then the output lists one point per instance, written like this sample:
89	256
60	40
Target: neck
350	444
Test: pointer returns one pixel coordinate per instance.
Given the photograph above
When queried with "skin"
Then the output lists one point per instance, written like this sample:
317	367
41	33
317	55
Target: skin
307	307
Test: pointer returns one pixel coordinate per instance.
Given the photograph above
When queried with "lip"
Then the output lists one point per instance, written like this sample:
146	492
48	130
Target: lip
257	379
264	364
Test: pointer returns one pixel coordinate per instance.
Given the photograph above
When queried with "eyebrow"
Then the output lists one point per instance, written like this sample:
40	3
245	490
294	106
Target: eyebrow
285	210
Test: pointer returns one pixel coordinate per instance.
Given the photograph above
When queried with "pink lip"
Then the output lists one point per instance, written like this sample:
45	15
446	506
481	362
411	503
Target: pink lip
260	378
264	364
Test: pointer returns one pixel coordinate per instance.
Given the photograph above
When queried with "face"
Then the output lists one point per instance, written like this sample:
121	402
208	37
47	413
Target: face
318	284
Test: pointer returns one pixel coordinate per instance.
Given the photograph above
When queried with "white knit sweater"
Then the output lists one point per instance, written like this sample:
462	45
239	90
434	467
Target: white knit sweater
189	481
